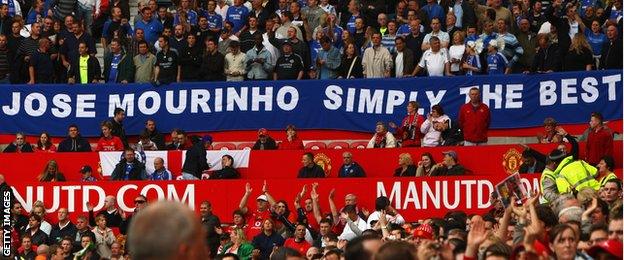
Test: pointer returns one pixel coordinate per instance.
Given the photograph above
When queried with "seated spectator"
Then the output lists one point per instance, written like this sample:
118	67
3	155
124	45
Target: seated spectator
74	142
51	173
292	142
310	169
382	138
87	174
266	241
145	144
207	142
104	237
19	146
227	170
44	144
129	168
160	172
89	250
175	142
530	164
450	133
406	166
27	249
108	142
426	165
605	170
428	128
85	63
349	167
238	245
449	165
264	142
550	134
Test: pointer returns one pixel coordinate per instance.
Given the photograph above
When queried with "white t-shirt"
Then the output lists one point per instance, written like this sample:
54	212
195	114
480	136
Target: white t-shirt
456	52
398	219
434	62
348	234
398	65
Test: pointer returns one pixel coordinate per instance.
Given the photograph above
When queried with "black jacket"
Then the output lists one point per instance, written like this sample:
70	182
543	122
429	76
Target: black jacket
268	145
547	59
356	72
93	70
119	131
191	61
611	57
226	173
539	167
137	172
78	144
125	68
311	172
195	161
158	138
12	148
409	172
57	233
212	67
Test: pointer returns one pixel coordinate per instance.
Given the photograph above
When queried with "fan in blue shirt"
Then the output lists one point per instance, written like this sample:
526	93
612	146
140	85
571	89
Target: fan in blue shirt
496	61
237	14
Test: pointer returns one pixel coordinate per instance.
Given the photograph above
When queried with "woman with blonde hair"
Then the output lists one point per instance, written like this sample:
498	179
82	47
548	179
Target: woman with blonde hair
579	56
406	166
50	173
238	244
456	53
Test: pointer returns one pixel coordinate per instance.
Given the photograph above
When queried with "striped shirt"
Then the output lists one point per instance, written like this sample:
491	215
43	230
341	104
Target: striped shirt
513	50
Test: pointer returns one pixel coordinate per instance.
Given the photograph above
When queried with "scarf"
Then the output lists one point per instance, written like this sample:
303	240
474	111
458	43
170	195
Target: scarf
380	139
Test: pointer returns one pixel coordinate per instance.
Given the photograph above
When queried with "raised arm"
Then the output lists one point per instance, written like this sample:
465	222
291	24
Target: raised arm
243	203
265	190
332	207
316	207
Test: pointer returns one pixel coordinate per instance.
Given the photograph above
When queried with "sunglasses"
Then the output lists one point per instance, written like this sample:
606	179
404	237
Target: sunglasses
139	201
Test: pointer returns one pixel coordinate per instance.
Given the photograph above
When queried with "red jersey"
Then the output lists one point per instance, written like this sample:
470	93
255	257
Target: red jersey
254	222
112	144
312	221
295	144
474	122
599	144
409	130
302	246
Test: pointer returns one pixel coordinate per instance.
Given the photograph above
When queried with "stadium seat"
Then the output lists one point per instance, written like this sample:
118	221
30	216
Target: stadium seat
359	144
224	146
315	145
338	145
245	146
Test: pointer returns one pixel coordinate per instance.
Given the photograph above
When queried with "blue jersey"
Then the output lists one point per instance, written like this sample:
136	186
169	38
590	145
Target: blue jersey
215	21
315	47
152	29
473	60
595	41
403	30
191	18
351	24
497	63
237	15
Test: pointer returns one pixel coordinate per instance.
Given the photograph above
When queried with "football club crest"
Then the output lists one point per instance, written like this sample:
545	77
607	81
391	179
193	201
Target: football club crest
324	161
512	160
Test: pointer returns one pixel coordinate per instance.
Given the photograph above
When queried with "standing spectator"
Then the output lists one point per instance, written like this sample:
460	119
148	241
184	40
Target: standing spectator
152	27
474	119
349	167
85	69
41	67
497	63
108	142
513	50
431	127
547	58
435	61
382	138
161	14
195	161
74	142
451	29
190	59
414	39
104	237
44	144
19	145
213	62
377	61
69	49
144	63
501	12
289	65
403	59
292	142
178	41
328	59
433	10
118	66
154	135
214	22
259	61
595	37
298	241
409	131
264	142
579	58
34	233
117	27
351	64
234	66
191	15
387	40
456	53
599	140
471	64
237	15
611	57
160	172
117	125
435	32
528	41
129	168
310	169
5	59
247	37
166	70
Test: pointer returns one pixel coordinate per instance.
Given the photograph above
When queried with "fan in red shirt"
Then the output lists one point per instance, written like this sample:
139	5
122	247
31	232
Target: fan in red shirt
312	214
474	119
108	142
409	131
255	218
292	142
599	140
298	242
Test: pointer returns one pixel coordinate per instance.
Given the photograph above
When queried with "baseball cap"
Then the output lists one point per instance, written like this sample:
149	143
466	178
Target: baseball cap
207	138
287	42
611	246
424	231
263	131
262	197
451	153
86	169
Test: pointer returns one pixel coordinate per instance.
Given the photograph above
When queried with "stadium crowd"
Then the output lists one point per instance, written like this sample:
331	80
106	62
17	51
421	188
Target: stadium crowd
45	41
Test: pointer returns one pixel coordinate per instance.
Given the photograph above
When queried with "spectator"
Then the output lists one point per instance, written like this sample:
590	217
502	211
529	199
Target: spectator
579	57
144	63
414	39
548	58
234	66
298	241
190	59
456	53
118	27
27	249
290	65
605	170
406	166
195	161
431	127
612	50
292	142
227	170
145	144
426	165
528	42
387	39
19	145
85	64
238	245
167	69
435	32
118	67
237	14
214	21
530	164
382	138
264	142
259	61
70	48
51	173
213	62
433	10
435	61
267	240
377	61
351	64
109	142
104	237
328	59
496	61
390	215
403	59
44	144
64	228
160	172
38	237
86	173
74	142
82	226
5	59
41	68
247	36
550	134
310	169
110	211
154	135
117	126
595	37
474	119
512	50
207	142
355	225
129	168
152	27
450	165
611	194
599	140
350	168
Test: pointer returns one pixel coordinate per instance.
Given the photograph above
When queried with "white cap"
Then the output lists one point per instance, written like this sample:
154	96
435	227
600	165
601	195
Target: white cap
471	44
493	43
262	197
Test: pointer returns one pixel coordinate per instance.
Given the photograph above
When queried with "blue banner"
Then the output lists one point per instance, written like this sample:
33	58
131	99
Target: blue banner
515	101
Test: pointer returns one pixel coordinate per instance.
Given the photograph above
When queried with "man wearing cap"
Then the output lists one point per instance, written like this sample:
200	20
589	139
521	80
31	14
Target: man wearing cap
289	65
422	232
497	63
262	212
264	142
474	119
160	172
450	166
86	172
310	169
609	249
572	173
195	162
